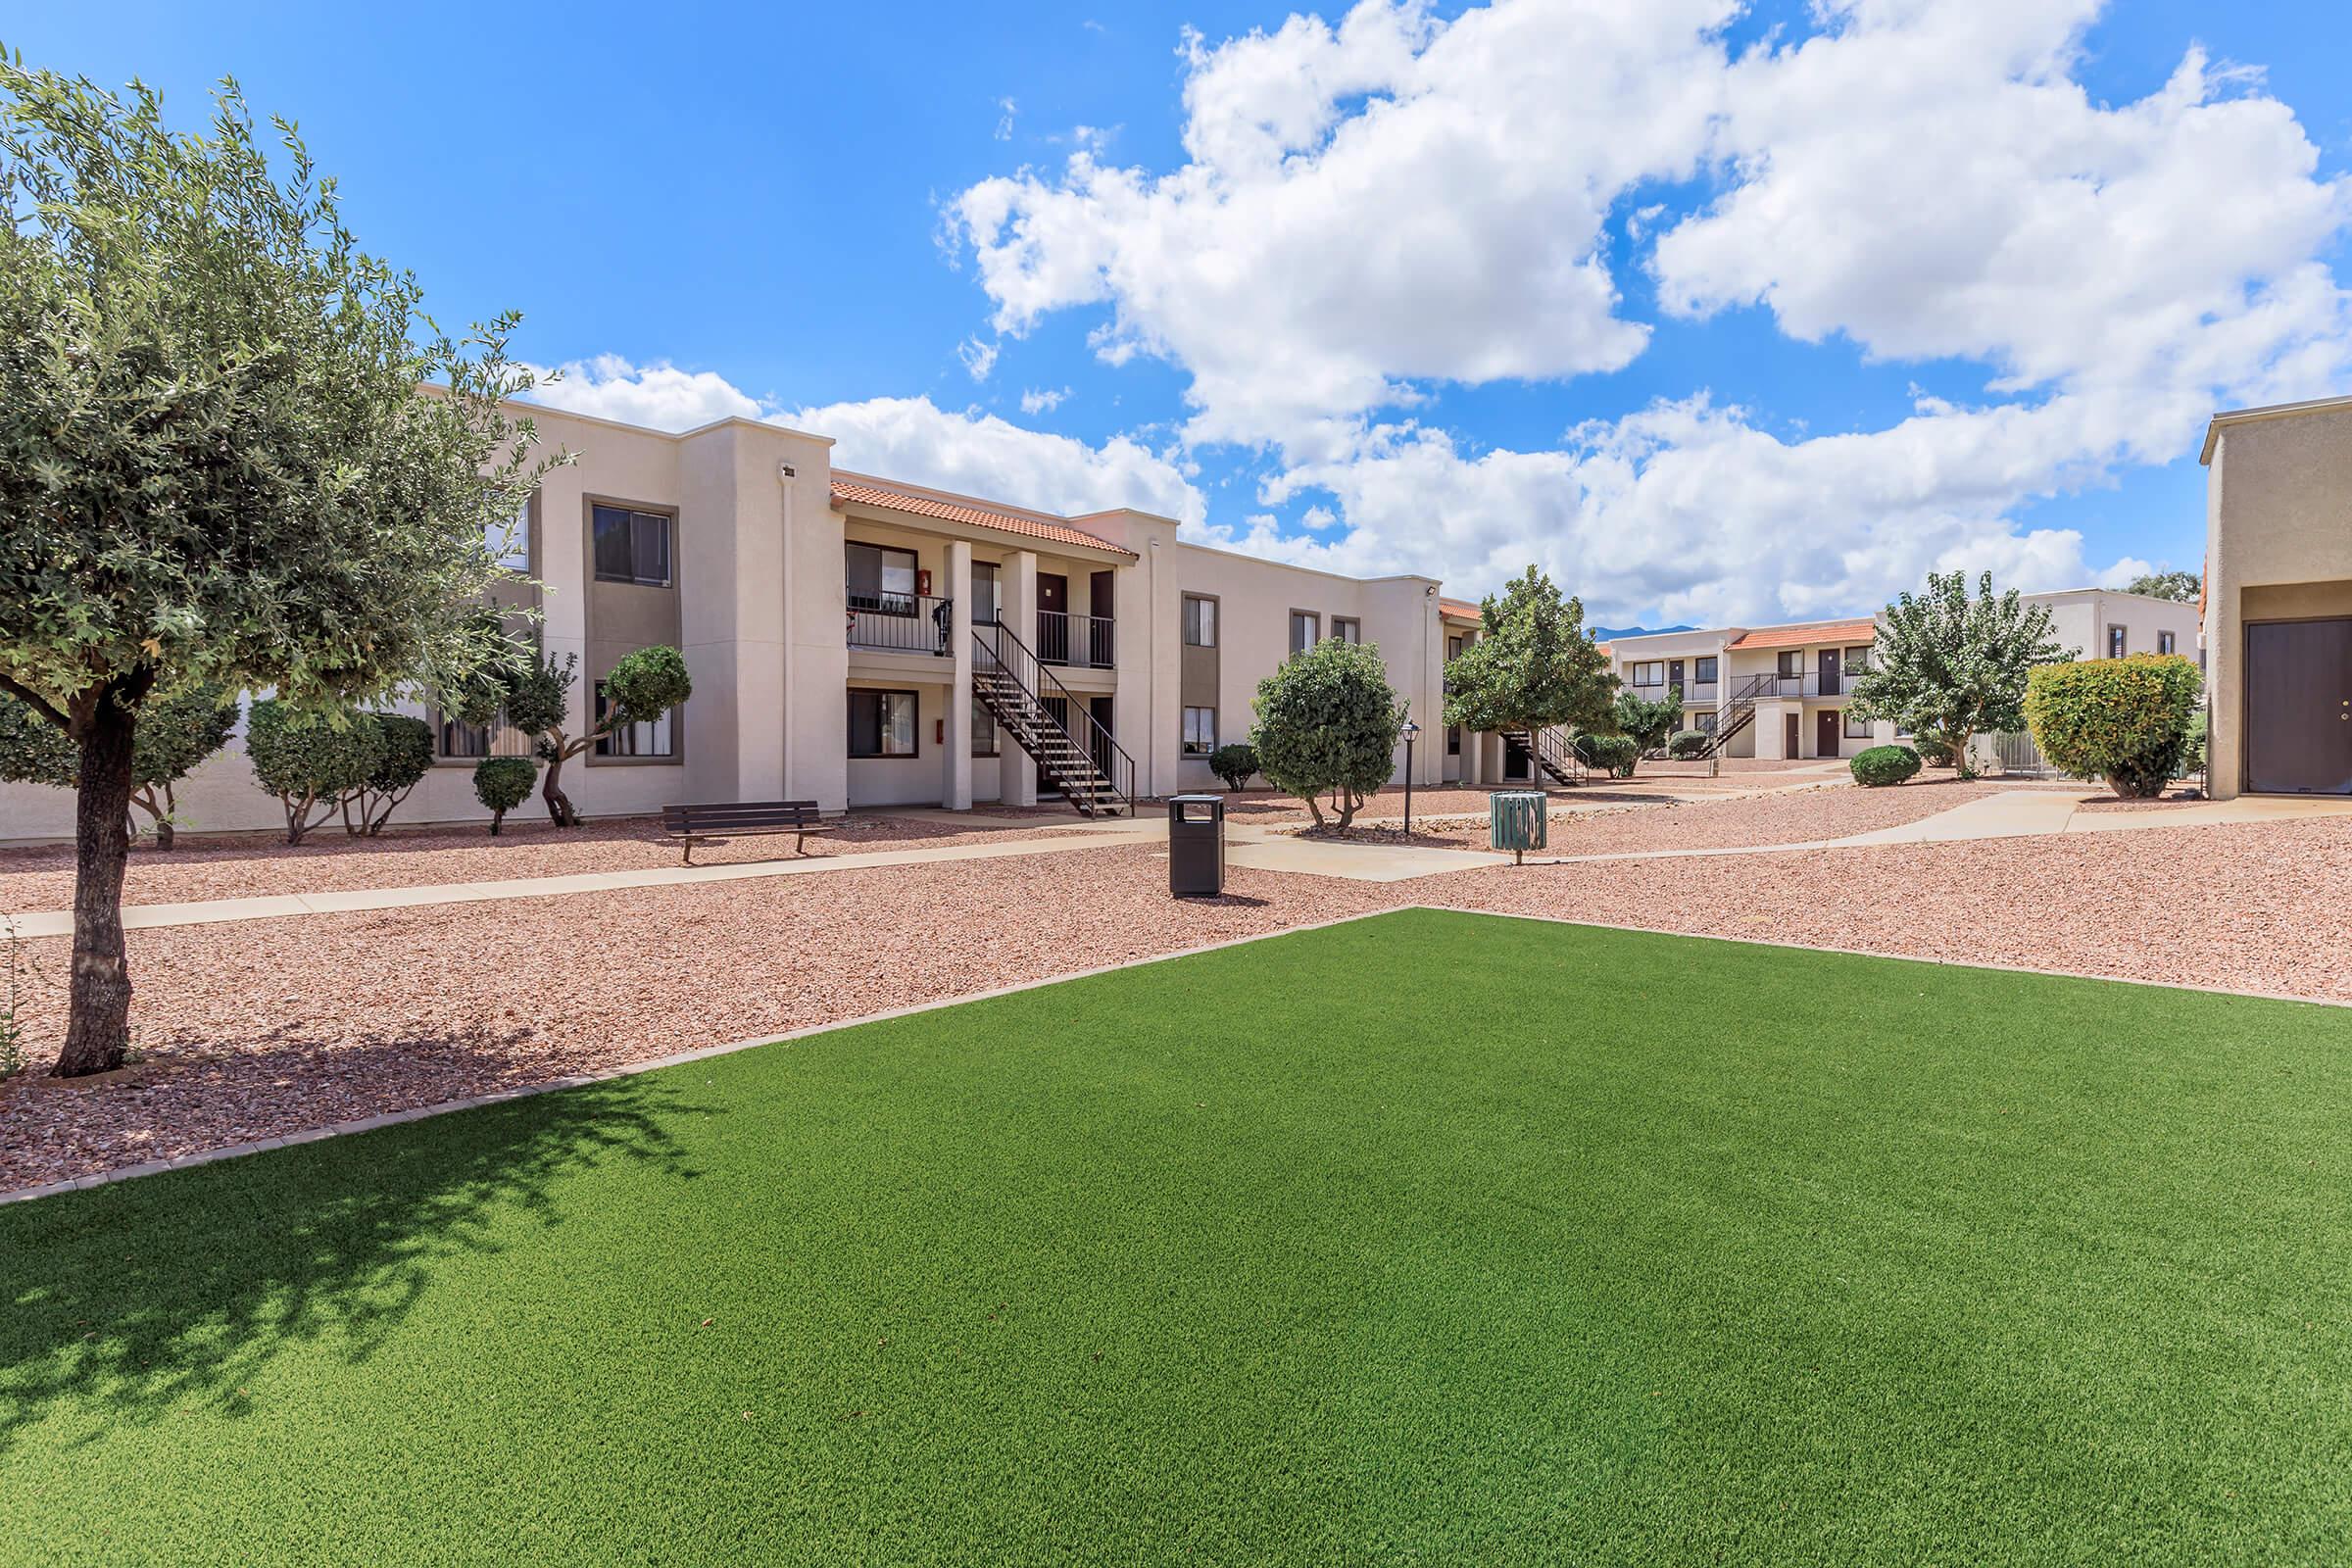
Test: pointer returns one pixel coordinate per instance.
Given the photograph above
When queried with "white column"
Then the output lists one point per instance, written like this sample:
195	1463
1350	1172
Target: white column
1017	607
956	790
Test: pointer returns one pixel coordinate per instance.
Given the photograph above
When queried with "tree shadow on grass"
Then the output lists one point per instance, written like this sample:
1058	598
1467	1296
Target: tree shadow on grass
149	1294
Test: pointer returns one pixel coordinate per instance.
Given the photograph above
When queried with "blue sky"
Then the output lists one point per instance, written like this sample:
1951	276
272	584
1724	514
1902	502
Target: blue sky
1716	311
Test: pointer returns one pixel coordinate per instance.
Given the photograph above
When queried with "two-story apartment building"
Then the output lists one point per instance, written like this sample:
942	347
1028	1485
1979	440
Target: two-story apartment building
859	641
2279	599
1785	692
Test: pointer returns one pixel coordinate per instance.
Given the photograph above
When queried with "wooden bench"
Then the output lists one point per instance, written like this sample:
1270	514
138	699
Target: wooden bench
735	819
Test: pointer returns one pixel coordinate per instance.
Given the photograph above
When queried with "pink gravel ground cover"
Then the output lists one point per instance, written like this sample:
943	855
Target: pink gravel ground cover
260	1028
1580	828
43	877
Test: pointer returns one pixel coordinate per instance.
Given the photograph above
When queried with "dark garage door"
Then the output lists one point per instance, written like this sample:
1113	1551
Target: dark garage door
2299	708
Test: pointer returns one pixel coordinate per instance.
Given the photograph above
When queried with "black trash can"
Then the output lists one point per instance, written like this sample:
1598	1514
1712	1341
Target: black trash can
1195	846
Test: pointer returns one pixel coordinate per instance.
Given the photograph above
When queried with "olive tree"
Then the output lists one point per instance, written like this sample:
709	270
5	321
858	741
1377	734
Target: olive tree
1533	665
313	764
643	686
1955	663
404	756
178	734
1647	722
1328	721
216	462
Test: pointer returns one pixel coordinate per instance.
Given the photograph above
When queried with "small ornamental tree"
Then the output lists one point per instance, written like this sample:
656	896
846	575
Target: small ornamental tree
1533	665
1327	722
215	463
1613	754
642	687
1233	763
178	732
1954	664
310	761
1645	723
2130	720
404	756
501	783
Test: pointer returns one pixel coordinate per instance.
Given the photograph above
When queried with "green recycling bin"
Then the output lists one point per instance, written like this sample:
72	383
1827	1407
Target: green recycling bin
1516	820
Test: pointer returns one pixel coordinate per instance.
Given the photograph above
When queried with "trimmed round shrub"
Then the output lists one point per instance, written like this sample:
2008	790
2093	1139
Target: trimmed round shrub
2127	720
1884	764
1688	742
1613	754
1234	763
501	783
1933	750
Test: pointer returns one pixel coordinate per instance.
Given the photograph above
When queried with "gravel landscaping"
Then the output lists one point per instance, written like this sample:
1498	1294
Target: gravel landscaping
2257	907
260	1028
43	877
1582	826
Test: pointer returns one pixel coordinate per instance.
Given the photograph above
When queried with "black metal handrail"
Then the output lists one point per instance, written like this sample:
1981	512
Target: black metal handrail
1805	683
1066	639
899	624
996	649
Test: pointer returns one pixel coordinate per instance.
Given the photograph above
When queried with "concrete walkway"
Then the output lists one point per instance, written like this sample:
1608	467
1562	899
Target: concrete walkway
2011	814
1251	846
1257	847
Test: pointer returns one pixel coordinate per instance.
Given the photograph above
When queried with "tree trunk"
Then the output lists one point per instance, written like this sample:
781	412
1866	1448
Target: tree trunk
559	803
98	1027
496	817
162	818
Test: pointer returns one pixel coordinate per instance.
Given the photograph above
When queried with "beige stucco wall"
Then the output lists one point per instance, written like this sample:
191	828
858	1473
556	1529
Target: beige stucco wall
1256	597
2278	545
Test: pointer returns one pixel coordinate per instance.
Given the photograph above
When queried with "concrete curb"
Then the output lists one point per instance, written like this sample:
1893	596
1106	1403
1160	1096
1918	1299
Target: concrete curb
705	1053
393	1118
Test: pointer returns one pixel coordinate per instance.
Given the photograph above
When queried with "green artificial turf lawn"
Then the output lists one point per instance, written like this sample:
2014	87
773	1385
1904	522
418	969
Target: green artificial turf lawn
1433	1238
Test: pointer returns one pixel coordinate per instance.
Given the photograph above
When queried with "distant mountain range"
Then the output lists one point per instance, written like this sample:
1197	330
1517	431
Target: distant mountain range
1609	634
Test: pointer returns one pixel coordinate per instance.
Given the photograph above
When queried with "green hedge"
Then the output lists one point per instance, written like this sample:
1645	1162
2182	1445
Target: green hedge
1884	764
2130	720
1689	743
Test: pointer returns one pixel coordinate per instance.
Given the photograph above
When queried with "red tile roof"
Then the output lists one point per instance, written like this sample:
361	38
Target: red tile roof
865	493
1460	609
1824	632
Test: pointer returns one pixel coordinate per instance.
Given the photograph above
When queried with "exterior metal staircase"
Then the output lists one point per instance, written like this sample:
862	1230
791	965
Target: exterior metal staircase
1076	755
1735	714
1551	749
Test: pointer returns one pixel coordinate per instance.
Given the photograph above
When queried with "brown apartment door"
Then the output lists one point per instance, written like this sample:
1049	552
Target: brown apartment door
2299	708
1833	679
1790	736
1053	617
1827	725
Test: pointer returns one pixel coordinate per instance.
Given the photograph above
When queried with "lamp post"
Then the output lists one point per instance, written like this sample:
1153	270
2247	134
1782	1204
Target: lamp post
1409	731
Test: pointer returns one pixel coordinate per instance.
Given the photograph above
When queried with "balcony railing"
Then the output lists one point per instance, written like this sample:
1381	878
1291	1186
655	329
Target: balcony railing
1811	683
1693	691
1066	639
899	624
